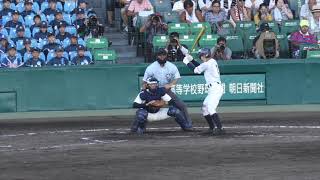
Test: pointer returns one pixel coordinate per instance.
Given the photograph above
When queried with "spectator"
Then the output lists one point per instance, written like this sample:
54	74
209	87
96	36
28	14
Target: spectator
27	48
266	44
59	59
301	37
36	22
14	22
205	5
62	34
263	14
110	12
281	12
168	75
11	60
137	6
82	4
73	44
52	10
252	7
28	9
43	33
239	13
6	11
314	20
221	51
58	18
51	46
176	51
227	4
190	15
305	11
216	14
81	18
178	6
81	58
35	60
20	34
124	8
154	26
3	44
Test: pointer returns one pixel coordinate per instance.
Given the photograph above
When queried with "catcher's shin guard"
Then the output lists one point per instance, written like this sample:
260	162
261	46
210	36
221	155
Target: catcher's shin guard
139	124
180	118
210	121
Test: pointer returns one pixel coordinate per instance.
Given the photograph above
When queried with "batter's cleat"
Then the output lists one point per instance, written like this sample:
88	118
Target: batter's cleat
188	129
219	131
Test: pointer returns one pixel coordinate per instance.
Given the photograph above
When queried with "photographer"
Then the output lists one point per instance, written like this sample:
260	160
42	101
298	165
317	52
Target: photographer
154	26
90	27
176	51
221	51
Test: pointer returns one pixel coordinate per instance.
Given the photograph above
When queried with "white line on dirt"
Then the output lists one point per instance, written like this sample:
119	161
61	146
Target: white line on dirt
154	128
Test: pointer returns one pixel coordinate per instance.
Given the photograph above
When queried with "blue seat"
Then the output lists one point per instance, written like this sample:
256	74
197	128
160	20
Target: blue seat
5	19
13	6
44	6
35	30
88	53
81	41
43	17
42	42
72	54
35	7
28	20
73	18
50	18
13	33
66	42
20	6
21	19
42	56
4	32
66	55
69	6
19	45
34	43
26	56
71	29
67	18
50	29
27	33
1	7
59	6
50	56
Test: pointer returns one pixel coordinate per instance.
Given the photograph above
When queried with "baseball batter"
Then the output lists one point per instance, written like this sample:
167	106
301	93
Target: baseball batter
215	91
151	104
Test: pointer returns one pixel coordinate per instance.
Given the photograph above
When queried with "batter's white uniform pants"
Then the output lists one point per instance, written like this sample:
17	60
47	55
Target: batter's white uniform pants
162	114
211	102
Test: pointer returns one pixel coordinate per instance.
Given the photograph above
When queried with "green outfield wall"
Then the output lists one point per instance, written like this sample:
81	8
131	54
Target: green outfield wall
116	86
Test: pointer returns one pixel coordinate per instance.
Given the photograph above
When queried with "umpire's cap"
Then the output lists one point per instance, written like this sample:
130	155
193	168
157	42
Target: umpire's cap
162	51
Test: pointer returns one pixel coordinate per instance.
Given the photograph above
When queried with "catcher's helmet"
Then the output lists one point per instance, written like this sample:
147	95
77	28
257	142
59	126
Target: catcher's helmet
204	52
152	80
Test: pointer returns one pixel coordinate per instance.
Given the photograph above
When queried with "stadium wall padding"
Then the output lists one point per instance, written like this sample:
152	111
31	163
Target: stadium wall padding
116	86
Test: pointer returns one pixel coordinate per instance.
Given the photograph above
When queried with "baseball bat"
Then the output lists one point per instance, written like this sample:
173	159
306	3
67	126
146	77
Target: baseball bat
201	33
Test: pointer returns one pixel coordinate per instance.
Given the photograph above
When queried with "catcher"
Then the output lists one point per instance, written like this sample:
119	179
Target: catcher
154	104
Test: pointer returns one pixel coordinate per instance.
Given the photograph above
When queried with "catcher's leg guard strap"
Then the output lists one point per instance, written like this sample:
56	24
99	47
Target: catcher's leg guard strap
217	121
209	121
179	117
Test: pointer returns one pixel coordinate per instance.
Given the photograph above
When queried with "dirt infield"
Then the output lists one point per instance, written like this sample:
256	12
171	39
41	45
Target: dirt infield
258	146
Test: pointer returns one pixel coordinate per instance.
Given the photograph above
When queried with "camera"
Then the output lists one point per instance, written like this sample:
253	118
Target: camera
172	53
221	48
95	28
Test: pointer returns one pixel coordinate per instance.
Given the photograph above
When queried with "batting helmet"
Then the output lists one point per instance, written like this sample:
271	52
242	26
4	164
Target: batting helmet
204	52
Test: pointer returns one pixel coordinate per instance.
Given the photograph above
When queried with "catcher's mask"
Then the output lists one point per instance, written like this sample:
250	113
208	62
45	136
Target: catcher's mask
153	84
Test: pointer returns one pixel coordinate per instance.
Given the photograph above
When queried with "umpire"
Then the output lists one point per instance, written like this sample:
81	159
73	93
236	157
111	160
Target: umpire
168	75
